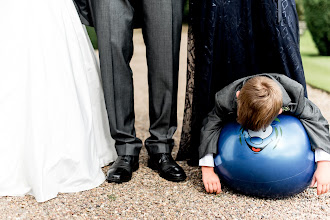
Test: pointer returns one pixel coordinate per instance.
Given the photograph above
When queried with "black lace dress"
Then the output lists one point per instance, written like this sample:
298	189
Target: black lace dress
231	39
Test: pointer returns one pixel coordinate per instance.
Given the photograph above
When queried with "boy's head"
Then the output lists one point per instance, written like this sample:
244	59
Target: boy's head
258	103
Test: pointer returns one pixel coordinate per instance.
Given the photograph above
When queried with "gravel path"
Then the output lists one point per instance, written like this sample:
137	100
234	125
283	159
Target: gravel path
148	196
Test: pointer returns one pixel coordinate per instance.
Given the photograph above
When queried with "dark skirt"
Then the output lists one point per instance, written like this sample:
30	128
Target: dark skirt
231	39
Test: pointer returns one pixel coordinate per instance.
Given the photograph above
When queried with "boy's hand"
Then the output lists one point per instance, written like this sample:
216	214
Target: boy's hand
322	177
211	180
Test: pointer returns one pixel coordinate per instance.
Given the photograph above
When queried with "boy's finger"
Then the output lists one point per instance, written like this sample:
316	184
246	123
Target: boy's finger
206	187
313	182
324	189
219	187
328	187
215	188
319	189
210	188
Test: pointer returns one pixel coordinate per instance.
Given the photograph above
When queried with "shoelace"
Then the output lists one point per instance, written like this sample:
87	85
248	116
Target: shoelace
127	159
165	158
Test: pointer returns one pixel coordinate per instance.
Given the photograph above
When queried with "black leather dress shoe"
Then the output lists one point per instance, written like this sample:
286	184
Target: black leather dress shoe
122	169
167	167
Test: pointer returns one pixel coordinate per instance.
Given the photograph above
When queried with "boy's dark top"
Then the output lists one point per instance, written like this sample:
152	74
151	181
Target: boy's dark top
295	103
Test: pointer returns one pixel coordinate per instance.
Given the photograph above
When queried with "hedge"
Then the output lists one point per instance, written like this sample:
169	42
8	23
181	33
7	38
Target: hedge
317	14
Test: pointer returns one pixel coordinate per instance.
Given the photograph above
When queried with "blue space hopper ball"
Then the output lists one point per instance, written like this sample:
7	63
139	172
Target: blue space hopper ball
274	163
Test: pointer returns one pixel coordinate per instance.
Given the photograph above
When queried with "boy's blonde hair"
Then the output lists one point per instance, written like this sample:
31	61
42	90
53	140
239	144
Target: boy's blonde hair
259	103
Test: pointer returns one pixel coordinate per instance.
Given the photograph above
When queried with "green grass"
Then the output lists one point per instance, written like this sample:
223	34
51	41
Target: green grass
317	68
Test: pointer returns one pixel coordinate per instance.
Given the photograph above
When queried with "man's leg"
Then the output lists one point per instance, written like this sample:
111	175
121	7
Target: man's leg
162	34
114	27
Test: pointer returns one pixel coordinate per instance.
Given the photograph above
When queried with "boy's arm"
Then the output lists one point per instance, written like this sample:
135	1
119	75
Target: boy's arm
225	108
211	180
321	155
322	177
210	133
316	126
322	174
317	129
306	111
208	147
207	161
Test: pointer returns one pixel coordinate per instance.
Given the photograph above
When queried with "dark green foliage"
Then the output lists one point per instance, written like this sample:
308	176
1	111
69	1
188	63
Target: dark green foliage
186	11
92	36
300	10
317	14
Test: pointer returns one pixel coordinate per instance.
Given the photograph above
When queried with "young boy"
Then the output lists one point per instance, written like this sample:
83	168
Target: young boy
255	101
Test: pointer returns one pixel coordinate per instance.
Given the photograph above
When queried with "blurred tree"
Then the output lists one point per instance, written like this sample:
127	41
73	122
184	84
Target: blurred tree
300	10
186	12
317	14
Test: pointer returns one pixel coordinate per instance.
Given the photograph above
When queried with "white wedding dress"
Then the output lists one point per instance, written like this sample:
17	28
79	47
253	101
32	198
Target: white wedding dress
54	132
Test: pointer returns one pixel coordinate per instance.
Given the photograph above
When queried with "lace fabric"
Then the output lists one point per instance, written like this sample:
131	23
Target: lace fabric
228	40
183	153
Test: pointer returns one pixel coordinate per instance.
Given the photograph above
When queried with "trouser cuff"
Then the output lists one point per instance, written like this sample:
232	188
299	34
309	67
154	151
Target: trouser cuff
128	149
159	148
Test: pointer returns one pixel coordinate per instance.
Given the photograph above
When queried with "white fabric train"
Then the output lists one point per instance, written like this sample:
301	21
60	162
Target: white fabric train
54	132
